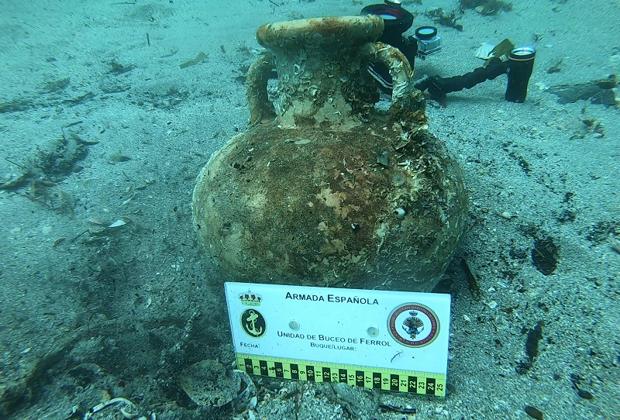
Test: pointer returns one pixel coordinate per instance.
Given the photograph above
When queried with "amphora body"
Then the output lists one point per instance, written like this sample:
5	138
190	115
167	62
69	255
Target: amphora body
324	189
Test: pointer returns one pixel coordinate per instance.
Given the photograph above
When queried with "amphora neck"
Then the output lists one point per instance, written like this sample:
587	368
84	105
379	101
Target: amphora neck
322	77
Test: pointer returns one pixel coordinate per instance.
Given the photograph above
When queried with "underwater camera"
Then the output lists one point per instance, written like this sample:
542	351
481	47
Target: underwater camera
428	40
396	21
517	63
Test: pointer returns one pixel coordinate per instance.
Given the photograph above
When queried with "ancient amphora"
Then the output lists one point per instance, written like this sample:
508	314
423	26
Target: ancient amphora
323	188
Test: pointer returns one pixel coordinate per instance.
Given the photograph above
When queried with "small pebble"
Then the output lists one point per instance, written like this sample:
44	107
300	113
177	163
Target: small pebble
118	223
506	215
492	304
534	412
400	213
383	159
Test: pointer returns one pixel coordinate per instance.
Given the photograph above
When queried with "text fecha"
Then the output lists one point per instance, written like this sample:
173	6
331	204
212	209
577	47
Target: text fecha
331	298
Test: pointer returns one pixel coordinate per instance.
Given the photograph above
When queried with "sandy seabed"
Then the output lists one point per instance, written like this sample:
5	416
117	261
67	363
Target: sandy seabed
105	291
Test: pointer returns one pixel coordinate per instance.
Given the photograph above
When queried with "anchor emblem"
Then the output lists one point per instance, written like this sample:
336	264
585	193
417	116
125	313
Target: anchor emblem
253	322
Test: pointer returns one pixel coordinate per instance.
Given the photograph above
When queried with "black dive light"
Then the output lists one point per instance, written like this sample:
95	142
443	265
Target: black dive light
520	66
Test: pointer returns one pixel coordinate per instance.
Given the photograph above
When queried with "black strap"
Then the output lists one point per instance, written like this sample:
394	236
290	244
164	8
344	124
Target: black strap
438	87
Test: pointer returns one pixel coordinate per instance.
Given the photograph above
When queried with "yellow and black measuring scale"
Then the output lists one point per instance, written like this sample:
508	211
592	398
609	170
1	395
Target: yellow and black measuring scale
385	340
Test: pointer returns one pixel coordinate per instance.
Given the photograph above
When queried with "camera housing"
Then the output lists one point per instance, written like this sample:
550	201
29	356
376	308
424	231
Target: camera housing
396	20
428	41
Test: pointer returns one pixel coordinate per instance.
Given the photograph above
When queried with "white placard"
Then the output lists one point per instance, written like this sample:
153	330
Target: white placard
384	333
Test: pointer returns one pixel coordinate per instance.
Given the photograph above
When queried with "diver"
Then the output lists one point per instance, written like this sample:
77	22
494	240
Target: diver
517	63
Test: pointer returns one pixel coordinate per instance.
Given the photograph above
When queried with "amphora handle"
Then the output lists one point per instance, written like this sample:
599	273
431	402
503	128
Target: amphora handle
397	64
261	109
